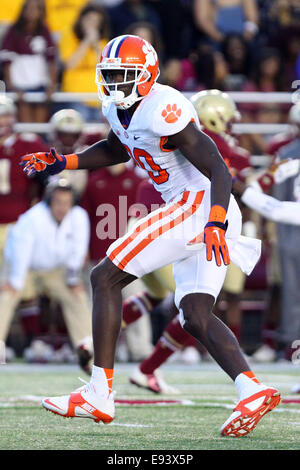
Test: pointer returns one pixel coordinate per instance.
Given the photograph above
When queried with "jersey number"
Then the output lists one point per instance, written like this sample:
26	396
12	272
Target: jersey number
160	176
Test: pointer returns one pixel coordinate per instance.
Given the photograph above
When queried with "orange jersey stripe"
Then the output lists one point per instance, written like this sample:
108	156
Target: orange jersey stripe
148	223
161	230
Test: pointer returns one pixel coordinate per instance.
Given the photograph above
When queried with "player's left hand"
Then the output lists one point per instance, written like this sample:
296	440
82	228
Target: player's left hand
48	162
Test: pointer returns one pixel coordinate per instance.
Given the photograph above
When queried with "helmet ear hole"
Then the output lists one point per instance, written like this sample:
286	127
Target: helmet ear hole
144	89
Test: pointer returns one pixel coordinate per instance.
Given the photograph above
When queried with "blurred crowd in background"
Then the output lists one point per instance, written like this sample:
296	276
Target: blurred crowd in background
54	45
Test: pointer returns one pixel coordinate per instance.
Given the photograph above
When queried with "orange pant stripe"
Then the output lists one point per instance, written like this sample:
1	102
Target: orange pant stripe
161	230
140	228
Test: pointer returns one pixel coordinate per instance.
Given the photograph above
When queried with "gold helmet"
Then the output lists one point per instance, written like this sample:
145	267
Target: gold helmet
66	130
67	120
215	109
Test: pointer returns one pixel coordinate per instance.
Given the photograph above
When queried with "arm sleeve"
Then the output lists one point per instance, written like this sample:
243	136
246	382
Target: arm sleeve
172	114
80	241
18	251
284	212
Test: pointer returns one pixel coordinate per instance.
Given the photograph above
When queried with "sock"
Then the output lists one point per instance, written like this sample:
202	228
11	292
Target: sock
173	339
136	306
247	384
102	381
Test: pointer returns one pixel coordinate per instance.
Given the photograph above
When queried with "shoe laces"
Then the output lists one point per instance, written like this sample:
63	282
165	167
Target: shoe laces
88	387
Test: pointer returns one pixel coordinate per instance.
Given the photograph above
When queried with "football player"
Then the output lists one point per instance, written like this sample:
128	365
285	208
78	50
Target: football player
198	230
67	134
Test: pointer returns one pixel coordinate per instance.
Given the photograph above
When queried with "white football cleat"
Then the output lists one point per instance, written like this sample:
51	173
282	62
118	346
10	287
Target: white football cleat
249	411
264	354
153	382
83	403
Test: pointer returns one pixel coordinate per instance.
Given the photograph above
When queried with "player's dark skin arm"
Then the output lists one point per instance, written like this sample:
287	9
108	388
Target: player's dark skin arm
203	153
103	153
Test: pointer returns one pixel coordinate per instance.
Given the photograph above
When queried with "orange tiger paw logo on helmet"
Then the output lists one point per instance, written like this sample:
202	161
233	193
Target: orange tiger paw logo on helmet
171	113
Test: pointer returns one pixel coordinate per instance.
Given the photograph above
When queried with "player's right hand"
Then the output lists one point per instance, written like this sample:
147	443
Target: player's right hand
214	238
48	162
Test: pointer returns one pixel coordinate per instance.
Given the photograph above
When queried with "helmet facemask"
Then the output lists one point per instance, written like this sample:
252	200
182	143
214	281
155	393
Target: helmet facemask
135	78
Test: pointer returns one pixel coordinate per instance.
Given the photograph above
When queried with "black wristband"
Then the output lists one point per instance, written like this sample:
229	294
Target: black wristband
218	224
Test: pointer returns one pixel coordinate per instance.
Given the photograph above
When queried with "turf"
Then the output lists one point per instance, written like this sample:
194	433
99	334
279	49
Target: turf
24	424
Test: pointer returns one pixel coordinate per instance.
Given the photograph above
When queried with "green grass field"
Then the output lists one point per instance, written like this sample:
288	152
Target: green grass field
24	424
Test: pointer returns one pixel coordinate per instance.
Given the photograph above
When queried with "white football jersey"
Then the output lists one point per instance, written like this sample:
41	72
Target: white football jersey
162	113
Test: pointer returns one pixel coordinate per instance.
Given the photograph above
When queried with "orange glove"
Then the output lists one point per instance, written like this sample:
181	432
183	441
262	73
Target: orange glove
48	162
214	236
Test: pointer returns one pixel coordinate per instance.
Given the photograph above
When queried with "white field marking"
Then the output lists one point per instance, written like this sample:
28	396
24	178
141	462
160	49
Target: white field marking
11	402
163	402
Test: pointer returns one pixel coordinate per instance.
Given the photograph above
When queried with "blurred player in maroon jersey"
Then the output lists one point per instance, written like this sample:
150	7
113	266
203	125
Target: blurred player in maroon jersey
17	192
68	135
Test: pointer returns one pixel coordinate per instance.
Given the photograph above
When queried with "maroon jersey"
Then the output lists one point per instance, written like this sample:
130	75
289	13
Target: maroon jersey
107	199
21	43
16	189
29	56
